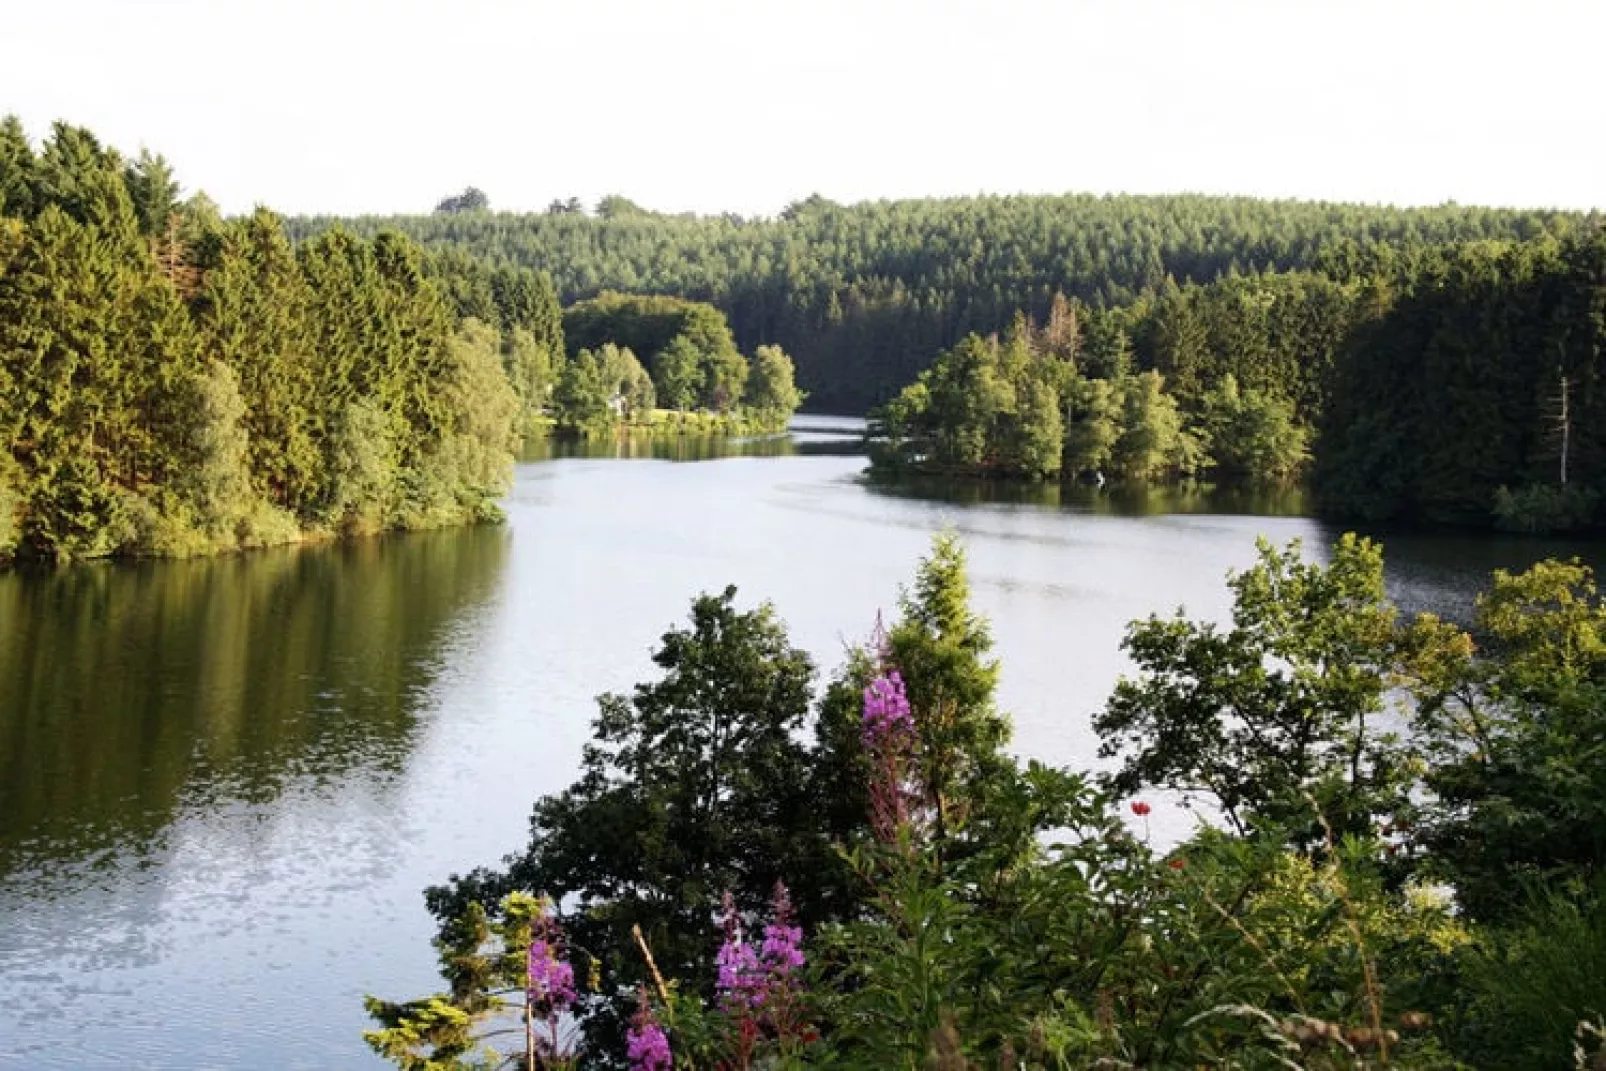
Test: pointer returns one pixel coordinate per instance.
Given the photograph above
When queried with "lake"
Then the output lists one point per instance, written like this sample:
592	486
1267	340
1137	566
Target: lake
224	783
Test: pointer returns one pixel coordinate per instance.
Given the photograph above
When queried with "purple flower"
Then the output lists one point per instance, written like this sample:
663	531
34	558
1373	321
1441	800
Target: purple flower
886	709
782	950
741	979
748	978
646	1044
551	980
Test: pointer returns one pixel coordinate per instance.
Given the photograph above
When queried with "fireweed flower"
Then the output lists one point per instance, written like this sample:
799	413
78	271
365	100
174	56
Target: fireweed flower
782	951
740	981
749	979
886	710
550	987
646	1044
889	737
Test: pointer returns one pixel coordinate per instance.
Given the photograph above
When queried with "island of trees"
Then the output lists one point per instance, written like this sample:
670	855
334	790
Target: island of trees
1403	866
176	383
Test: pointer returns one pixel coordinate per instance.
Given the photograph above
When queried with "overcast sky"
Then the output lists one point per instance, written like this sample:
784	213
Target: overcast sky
744	105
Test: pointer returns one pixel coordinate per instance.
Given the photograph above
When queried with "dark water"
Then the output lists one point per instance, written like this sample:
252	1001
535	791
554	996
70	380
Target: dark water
223	784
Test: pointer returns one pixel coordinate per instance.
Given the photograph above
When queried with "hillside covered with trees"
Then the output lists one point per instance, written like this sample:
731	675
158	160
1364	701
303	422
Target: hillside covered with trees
1458	383
863	296
176	383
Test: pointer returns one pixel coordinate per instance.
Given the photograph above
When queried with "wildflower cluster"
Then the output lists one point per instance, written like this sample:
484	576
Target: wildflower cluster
550	985
887	717
889	737
758	988
740	980
646	1044
749	978
549	992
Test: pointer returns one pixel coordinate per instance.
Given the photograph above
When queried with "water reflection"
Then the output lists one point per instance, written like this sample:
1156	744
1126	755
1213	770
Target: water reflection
128	689
1121	501
806	438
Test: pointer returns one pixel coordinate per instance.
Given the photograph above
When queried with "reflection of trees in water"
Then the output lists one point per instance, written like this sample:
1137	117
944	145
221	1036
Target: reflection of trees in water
1134	500
626	445
128	689
824	440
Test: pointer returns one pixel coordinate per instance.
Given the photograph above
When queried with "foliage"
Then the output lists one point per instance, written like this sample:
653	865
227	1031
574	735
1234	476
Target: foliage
1517	746
692	363
1252	434
678	374
1523	991
1153	443
863	295
1540	509
1413	362
771	395
173	384
693	786
983	913
1288	706
471	199
1453	385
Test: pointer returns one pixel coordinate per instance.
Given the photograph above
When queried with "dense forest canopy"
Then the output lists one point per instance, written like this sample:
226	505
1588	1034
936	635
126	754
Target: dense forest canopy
1412	362
863	296
1458	383
175	383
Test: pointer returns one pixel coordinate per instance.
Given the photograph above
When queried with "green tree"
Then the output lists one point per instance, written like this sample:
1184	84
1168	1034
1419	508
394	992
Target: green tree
17	167
1094	426
941	646
472	199
1042	439
531	371
154	192
1252	434
677	374
1153	443
631	385
583	399
771	395
693	786
724	374
1286	708
1516	748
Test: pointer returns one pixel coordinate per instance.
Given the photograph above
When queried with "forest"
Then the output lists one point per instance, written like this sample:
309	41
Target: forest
863	296
1459	385
176	383
1427	365
1400	863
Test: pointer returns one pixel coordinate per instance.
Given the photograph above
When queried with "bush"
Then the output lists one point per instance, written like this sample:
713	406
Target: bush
1540	509
1525	989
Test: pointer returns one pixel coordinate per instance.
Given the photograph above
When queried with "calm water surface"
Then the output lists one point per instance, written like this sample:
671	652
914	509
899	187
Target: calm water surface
223	784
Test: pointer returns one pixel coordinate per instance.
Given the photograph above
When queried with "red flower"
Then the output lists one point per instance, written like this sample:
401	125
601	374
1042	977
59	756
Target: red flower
1177	864
1141	809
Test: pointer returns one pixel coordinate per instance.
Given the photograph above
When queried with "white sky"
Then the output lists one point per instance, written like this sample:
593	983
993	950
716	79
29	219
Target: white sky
348	106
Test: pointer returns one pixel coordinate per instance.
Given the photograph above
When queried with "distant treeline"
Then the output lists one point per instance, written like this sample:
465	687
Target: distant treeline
1415	363
174	383
1458	383
863	296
